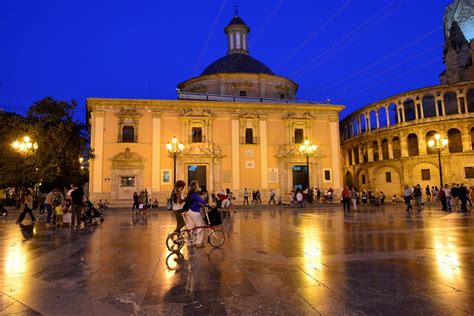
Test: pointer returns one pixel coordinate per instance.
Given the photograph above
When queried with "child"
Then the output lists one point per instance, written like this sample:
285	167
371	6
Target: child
58	209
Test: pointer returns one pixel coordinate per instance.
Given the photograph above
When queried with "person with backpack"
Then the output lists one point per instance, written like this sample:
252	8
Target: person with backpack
178	200
194	218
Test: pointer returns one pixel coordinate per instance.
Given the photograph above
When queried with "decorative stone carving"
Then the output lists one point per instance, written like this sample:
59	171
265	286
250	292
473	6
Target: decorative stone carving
127	159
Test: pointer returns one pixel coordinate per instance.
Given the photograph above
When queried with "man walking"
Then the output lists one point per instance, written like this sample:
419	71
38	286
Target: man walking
346	199
246	197
77	203
407	193
417	194
272	197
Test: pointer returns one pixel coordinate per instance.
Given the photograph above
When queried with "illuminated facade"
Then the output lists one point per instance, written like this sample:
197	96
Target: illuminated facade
240	125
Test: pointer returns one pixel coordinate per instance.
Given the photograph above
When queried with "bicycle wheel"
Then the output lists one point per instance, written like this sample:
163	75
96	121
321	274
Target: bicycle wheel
216	238
174	261
174	242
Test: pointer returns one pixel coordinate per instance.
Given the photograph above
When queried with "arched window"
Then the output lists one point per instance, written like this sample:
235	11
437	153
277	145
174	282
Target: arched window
472	138
299	135
128	134
382	117
373	120
413	149
355	127
450	103
385	153
375	150
470	100
349	153
454	141
363	123
392	114
356	155
430	135
439	104
429	106
365	154
196	135
249	136
397	151
409	108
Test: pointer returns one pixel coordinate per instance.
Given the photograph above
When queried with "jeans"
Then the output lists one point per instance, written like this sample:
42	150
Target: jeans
407	203
346	203
49	210
418	202
28	210
76	214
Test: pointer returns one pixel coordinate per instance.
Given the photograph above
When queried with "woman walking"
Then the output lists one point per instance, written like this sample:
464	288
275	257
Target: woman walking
194	218
407	193
178	203
27	207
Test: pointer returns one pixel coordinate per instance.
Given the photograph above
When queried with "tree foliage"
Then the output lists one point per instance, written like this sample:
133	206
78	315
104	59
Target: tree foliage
61	141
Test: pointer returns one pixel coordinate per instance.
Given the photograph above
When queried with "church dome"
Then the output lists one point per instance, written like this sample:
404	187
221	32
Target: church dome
237	63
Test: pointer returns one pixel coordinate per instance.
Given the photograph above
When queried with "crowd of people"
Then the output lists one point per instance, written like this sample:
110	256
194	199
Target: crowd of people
55	208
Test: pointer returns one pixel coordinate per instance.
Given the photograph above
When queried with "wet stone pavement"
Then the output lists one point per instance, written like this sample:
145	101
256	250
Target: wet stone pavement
274	262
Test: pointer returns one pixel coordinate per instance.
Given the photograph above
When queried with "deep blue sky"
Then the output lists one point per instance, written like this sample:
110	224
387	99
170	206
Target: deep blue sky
73	49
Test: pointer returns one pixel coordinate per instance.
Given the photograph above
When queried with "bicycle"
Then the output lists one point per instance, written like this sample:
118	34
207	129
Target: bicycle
216	238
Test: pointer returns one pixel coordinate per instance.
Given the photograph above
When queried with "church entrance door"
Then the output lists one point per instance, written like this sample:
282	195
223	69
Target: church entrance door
300	174
198	173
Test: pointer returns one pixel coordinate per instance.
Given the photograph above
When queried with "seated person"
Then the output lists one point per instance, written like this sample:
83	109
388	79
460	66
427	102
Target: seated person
155	203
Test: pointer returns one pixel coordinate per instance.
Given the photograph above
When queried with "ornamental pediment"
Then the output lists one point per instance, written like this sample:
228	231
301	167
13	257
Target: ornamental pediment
298	116
196	113
127	159
128	114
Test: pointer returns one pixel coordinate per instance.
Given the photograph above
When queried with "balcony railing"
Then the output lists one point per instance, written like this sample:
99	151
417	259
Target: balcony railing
120	139
249	140
197	139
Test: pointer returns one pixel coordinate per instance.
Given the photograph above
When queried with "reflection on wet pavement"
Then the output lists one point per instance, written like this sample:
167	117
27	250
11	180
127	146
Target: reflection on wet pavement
274	261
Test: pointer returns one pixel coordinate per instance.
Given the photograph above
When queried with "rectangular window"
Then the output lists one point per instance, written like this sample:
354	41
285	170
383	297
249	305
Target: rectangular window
127	182
327	175
469	172
128	134
299	135
425	174
363	179
388	177
197	135
249	136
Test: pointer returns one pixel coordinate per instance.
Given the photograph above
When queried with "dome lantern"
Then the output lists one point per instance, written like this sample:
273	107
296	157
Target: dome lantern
237	35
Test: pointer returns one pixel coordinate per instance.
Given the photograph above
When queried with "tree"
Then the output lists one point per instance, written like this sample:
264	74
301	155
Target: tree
61	141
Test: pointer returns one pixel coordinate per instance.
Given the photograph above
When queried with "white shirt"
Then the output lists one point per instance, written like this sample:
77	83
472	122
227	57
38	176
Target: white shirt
299	197
179	206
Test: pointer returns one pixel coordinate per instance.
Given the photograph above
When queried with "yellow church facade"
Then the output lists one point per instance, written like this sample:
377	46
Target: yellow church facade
233	145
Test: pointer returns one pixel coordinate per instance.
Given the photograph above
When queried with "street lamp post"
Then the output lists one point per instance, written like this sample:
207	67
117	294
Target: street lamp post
307	149
174	149
439	145
25	147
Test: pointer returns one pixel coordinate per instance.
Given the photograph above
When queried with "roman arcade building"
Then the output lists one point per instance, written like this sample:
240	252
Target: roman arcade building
240	125
385	144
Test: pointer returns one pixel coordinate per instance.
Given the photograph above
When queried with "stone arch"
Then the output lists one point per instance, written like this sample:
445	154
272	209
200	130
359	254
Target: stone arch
363	123
396	148
382	117
365	154
410	111
392	114
375	151
355	127
412	142
454	140
428	136
429	105
349	155
356	155
450	103
349	179
470	100
385	150
373	120
428	170
387	179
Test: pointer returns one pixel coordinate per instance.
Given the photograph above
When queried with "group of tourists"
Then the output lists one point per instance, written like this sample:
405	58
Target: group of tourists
60	209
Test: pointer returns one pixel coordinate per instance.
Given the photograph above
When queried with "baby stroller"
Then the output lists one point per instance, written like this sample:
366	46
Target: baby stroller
91	215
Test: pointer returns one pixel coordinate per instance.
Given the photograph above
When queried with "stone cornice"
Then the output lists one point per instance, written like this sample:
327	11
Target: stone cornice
105	104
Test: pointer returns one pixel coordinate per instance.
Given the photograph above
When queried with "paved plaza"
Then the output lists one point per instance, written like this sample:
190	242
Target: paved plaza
275	261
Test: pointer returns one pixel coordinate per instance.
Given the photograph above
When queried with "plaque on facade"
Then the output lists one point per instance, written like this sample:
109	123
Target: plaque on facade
272	175
165	176
249	153
249	164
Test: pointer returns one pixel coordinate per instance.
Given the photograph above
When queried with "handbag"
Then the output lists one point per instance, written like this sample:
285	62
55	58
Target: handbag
140	206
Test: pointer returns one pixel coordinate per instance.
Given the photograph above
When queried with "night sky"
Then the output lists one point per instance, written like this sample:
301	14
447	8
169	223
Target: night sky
352	52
